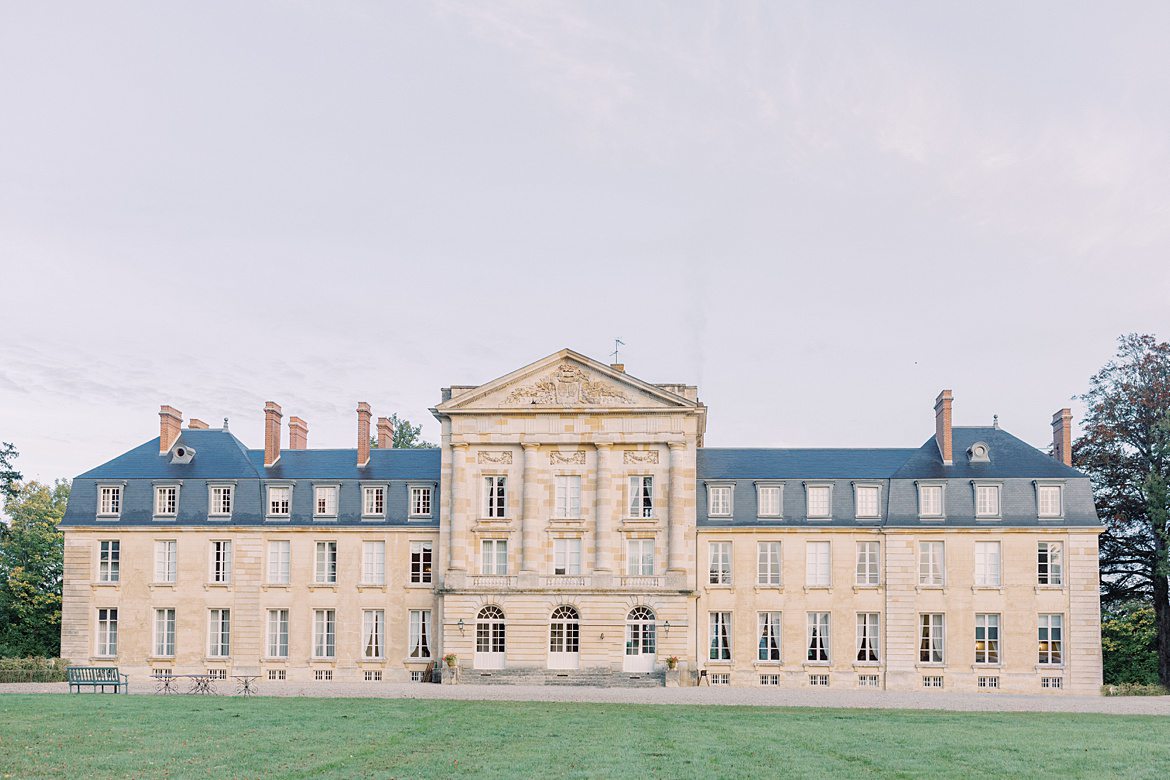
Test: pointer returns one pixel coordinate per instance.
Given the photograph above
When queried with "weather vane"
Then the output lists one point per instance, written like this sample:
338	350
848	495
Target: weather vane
616	343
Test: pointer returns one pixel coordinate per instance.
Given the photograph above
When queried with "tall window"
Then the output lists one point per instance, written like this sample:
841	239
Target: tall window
931	564
420	501
986	639
768	497
165	560
564	631
420	633
489	630
276	644
930	500
1050	563
719	501
219	633
867	636
818	573
640	557
420	562
373	501
868	568
324	633
494	557
641	496
164	633
373	633
495	496
720	646
641	632
110	501
1048	498
166	501
221	562
719	570
819	497
221	500
325	570
279	500
867	497
987	564
818	637
278	562
930	638
769	645
107	633
109	560
1051	636
567	556
325	501
373	563
768	563
568	496
987	500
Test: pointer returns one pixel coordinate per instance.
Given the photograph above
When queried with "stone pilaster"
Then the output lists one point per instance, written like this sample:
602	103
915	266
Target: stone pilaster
676	528
530	508
603	561
461	509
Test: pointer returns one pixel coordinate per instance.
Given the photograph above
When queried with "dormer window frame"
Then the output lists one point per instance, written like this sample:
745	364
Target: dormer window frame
941	516
1058	485
432	487
976	486
118	499
778	485
157	488
809	485
213	508
374	516
268	513
869	484
720	485
327	515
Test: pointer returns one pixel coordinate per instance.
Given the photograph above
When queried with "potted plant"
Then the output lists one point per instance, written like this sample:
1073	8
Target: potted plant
450	659
672	662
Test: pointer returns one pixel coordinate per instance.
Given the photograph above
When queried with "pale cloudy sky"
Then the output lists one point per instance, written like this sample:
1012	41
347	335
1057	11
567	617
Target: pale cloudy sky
819	213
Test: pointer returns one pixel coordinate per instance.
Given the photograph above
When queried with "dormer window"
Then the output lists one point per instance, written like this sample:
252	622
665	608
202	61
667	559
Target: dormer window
719	500
930	501
979	453
279	500
1050	500
868	501
987	502
166	500
325	501
820	501
769	499
220	500
374	501
109	500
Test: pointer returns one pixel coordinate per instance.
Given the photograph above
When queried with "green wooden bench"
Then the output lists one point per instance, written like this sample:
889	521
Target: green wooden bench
95	676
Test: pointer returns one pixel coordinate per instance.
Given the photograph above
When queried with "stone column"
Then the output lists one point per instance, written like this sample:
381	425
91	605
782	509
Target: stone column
676	528
603	512
460	515
529	524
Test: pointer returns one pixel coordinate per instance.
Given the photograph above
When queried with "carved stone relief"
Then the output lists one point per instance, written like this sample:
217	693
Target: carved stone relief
568	385
504	457
567	458
640	456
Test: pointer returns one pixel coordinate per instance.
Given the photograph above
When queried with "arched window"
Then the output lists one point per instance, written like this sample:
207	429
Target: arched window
564	632
640	632
489	630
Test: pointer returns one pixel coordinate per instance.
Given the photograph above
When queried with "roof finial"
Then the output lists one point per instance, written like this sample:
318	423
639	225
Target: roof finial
225	426
995	421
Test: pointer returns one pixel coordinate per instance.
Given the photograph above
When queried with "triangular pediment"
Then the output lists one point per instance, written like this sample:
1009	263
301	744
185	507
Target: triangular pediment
565	380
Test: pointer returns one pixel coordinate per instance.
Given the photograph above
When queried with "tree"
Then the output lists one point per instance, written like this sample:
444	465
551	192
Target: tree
1129	642
406	436
1125	449
9	476
31	567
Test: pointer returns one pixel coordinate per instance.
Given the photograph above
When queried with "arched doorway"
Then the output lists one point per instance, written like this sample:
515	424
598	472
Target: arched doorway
490	645
641	640
564	638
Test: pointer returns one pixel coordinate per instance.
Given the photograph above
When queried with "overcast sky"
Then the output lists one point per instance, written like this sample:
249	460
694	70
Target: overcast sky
821	214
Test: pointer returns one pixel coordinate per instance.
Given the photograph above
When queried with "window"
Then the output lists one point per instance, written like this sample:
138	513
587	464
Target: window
1051	638
641	632
495	497
868	636
721	678
987	564
420	562
769	679
930	500
217	674
109	501
768	498
1049	500
930	644
276	642
1050	563
420	633
324	633
219	633
278	560
818	637
987	682
220	504
817	569
768	563
373	563
769	646
279	500
164	633
819	501
567	556
720	645
277	675
931	564
642	496
719	569
564	632
325	501
494	558
325	570
640	560
323	675
986	639
818	680
420	501
221	562
719	501
107	633
489	630
932	681
166	501
868	498
1051	682
374	633
987	500
375	675
869	681
165	560
868	572
109	561
568	496
374	501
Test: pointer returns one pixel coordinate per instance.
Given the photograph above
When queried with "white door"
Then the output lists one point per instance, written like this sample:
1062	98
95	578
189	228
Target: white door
564	639
490	644
640	641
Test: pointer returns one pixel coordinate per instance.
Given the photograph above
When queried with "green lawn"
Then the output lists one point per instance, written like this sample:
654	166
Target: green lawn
94	736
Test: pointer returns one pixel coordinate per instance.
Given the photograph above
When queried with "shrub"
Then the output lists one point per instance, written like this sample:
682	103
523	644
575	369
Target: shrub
1134	689
18	670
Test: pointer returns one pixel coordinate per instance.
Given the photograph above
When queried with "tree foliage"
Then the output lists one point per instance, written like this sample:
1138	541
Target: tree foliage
406	436
1129	642
9	476
31	567
1125	449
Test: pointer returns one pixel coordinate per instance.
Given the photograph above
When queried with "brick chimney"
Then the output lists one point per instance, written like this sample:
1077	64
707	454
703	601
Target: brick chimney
1062	436
272	417
363	448
196	424
942	426
385	434
619	367
170	422
298	434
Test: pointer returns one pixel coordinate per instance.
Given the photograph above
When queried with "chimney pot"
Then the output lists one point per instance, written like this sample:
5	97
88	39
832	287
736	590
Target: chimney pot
272	417
196	424
619	367
942	426
298	434
170	422
385	434
363	444
1062	436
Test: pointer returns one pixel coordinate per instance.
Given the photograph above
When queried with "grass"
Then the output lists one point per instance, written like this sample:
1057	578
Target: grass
95	736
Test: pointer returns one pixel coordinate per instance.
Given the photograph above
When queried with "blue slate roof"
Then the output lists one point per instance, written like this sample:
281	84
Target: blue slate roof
1009	456
750	463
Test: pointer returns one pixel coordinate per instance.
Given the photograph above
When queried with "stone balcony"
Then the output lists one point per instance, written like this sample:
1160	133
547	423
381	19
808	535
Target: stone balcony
461	582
